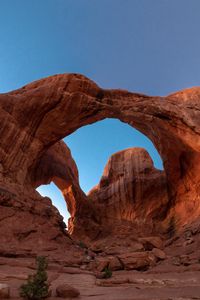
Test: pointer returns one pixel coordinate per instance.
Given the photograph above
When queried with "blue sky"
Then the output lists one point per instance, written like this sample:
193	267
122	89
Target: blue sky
148	46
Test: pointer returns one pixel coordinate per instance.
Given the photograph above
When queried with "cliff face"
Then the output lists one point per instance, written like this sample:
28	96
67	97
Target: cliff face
131	190
58	166
36	117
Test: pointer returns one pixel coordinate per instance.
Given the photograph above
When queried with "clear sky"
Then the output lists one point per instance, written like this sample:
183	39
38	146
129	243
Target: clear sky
148	46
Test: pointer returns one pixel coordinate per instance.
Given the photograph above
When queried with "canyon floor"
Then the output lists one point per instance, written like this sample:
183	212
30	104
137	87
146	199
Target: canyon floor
174	283
124	285
175	276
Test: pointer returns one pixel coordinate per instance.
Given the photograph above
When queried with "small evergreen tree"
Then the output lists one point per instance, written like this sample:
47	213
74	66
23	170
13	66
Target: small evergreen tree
107	272
36	287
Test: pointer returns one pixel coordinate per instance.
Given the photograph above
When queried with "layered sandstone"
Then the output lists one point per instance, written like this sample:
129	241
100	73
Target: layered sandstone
131	191
36	117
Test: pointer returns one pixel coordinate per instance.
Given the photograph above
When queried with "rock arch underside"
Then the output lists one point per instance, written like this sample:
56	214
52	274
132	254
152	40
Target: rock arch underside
132	198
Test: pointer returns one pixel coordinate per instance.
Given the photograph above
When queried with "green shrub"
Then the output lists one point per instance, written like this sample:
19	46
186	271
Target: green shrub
36	287
107	272
82	245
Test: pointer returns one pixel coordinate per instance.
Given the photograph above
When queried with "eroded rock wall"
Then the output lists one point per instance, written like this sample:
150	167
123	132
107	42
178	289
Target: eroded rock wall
131	190
37	116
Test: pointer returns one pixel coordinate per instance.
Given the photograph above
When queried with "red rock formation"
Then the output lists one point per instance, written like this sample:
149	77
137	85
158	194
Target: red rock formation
131	190
37	116
58	166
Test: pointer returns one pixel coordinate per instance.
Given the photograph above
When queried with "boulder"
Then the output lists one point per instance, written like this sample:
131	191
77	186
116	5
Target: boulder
67	291
101	263
136	260
152	242
4	291
159	254
116	250
115	264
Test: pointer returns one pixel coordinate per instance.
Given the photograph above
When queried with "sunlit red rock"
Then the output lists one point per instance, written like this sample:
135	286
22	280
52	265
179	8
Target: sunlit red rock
37	116
131	190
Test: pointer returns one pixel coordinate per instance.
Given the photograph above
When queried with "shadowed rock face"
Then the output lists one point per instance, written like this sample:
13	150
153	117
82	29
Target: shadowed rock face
57	165
36	117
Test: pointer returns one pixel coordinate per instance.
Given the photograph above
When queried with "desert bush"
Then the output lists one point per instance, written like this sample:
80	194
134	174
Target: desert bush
82	245
37	287
107	272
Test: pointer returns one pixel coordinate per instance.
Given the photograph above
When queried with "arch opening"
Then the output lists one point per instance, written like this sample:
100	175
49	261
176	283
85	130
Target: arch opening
98	142
55	194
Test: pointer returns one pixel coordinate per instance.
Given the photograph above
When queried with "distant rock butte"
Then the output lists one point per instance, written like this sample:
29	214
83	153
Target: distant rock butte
132	196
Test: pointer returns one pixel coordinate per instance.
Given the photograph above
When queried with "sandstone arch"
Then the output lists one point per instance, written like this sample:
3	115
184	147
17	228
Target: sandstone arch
37	116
